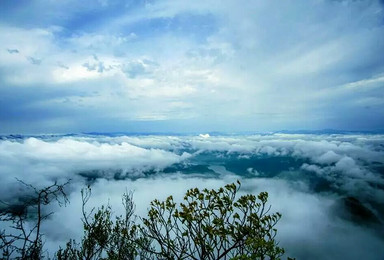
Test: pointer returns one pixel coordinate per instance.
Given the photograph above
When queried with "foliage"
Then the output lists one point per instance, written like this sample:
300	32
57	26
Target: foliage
104	238
211	224
208	224
26	241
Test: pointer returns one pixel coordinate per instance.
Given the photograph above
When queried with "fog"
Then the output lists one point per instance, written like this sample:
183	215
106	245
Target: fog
329	188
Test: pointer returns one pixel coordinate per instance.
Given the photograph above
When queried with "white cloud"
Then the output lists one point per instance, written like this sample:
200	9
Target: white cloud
328	158
313	168
308	217
304	230
62	158
272	71
39	162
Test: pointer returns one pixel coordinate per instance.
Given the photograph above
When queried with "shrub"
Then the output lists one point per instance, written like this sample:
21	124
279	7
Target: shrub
26	241
212	224
208	224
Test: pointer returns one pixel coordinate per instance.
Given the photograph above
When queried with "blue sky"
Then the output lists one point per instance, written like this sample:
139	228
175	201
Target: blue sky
182	66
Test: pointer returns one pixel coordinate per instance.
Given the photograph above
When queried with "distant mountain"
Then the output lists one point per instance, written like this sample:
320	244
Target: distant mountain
330	131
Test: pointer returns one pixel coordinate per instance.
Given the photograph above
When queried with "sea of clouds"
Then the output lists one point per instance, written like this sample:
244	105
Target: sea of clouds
329	188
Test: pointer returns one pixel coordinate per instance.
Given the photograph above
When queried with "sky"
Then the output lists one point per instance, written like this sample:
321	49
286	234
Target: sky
190	66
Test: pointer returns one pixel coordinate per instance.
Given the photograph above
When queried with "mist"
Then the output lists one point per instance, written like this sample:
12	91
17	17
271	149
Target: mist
329	188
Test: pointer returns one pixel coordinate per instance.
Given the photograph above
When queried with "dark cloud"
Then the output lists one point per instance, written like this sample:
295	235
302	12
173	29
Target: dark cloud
34	61
13	51
99	67
139	68
61	65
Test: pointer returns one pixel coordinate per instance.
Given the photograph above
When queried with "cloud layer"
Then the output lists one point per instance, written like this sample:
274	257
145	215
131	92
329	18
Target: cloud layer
329	188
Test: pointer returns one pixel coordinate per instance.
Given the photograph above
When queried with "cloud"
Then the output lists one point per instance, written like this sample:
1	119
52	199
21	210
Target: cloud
348	167
341	160
140	67
12	51
39	162
34	61
229	67
304	229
